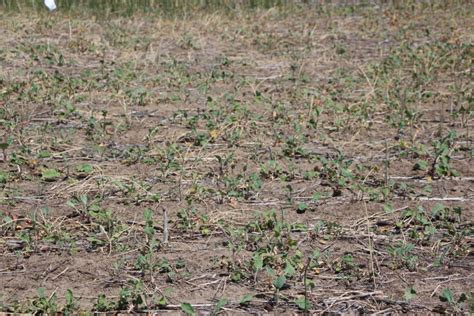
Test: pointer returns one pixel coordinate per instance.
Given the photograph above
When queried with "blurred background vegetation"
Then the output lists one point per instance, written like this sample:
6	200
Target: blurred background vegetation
183	7
128	7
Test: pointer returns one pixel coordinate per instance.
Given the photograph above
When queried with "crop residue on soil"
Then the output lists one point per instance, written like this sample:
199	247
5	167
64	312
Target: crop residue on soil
315	159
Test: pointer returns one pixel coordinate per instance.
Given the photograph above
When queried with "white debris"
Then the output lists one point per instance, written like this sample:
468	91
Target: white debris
50	4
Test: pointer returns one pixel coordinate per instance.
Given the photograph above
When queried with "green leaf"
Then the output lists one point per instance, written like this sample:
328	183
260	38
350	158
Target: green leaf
148	215
409	247
50	174
102	304
462	298
221	303
257	261
316	196
421	165
162	301
447	296
289	269
270	271
84	199
71	203
3	146
3	177
69	297
246	299
44	154
188	309
41	293
84	168
7	219
236	276
346	173
279	282
388	207
437	208
302	207
410	294
303	303
309	283
457	210
428	188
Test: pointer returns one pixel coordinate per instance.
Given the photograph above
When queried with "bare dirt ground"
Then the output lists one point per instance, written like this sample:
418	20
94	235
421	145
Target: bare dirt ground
314	160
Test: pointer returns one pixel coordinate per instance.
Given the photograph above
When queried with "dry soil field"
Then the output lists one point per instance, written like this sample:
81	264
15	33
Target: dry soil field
309	159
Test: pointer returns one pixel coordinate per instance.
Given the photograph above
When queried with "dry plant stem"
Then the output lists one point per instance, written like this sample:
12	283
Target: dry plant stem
387	163
61	273
165	227
305	280
371	247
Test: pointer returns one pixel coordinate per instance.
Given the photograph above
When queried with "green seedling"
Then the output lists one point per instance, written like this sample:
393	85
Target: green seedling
50	175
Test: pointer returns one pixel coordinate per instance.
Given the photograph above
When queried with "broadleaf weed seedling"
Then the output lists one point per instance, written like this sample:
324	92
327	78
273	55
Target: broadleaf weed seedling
403	256
443	148
72	303
43	304
464	302
149	230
